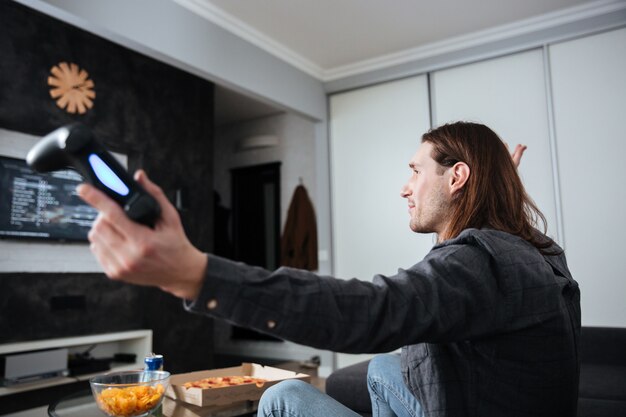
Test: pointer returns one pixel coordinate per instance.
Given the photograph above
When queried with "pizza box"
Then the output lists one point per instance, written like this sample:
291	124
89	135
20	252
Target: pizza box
175	408
228	395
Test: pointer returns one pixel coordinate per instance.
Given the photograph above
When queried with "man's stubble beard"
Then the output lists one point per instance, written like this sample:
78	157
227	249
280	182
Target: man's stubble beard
434	216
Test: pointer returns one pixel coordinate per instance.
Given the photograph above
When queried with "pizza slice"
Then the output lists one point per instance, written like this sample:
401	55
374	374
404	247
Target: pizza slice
224	381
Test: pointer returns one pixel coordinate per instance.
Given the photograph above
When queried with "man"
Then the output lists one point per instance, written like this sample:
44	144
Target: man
488	321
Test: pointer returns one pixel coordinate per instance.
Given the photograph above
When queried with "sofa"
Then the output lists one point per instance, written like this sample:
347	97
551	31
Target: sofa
602	389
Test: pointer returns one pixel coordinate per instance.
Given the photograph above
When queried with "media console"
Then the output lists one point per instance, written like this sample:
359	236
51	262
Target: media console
134	342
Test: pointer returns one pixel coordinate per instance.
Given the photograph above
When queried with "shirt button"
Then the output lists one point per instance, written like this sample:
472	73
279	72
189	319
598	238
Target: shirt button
271	324
211	304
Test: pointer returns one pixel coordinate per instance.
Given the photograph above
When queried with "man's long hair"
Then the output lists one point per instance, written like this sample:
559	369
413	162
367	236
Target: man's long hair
493	195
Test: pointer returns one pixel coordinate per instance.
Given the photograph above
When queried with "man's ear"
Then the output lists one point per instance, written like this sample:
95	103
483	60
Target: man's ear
459	174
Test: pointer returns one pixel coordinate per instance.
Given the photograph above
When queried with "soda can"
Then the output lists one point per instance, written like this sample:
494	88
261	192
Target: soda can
153	362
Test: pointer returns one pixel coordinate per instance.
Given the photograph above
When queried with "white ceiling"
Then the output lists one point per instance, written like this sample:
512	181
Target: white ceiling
324	37
330	39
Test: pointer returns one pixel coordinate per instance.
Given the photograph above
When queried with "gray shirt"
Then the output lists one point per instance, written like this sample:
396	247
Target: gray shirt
487	324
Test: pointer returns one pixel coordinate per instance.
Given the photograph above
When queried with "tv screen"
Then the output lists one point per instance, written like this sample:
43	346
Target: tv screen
41	206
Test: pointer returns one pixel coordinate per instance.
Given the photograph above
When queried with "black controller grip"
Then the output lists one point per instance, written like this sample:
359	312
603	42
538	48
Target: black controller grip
74	146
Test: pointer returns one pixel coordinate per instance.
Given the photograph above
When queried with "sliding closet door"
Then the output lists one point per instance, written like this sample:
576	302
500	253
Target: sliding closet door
373	134
508	94
589	87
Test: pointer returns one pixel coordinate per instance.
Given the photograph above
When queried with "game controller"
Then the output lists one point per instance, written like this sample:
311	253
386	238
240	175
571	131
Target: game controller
74	146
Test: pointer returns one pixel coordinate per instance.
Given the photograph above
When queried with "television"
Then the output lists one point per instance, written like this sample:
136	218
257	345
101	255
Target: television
41	206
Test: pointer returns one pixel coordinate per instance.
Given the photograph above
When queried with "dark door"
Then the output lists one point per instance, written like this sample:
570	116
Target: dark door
256	214
256	223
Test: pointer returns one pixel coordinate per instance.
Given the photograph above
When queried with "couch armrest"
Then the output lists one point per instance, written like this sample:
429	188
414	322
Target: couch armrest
349	386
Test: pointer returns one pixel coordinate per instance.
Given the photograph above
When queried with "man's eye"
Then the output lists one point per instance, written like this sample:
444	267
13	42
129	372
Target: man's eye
416	171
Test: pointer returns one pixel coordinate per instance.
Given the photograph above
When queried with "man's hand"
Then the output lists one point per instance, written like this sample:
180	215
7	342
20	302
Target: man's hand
517	153
136	254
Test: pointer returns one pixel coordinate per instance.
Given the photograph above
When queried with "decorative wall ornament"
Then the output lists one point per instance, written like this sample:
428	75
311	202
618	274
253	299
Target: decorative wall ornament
71	87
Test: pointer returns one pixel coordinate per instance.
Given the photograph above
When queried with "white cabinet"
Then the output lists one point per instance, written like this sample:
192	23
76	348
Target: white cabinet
589	88
374	132
508	94
138	342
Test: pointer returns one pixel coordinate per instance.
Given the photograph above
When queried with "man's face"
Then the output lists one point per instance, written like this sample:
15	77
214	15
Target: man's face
427	193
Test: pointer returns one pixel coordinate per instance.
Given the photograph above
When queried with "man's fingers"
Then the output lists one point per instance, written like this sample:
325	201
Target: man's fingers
519	149
103	231
106	258
106	206
167	209
116	252
518	153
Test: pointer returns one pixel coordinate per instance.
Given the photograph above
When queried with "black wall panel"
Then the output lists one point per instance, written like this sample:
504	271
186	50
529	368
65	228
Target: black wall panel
162	118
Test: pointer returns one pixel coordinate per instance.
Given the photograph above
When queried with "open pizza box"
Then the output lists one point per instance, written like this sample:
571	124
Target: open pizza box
174	408
231	394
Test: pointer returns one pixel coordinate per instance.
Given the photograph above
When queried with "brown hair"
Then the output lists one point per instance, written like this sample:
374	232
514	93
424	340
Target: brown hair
493	195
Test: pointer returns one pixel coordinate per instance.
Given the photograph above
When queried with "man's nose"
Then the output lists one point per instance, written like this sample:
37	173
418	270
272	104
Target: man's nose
405	191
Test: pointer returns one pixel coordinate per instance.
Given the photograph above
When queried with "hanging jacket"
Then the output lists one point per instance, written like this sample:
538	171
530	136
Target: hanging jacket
299	241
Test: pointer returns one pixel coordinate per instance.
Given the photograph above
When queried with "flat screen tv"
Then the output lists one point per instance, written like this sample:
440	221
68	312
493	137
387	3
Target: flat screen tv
41	206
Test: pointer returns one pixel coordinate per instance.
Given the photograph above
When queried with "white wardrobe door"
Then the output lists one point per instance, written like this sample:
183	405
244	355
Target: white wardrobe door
589	88
508	94
374	132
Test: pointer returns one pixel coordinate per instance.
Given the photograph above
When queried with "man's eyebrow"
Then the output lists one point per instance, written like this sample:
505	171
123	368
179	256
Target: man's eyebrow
413	164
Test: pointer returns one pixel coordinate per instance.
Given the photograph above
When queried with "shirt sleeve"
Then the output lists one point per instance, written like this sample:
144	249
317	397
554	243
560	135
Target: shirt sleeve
450	295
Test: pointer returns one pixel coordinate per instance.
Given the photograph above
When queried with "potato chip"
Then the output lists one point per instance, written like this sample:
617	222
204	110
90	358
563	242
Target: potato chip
130	401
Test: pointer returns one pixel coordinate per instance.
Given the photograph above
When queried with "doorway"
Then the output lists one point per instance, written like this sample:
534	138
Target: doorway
256	223
256	214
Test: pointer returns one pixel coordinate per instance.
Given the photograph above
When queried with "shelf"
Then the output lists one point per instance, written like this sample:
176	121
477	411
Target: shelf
74	341
138	342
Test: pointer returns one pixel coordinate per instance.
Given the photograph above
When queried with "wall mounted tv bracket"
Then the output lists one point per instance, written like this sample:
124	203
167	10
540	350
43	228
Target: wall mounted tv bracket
74	146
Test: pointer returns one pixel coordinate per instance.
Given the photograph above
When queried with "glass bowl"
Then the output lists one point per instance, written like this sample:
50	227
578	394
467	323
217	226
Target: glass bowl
130	393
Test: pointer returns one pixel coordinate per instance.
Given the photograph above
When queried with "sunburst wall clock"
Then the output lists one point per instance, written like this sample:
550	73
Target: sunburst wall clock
71	88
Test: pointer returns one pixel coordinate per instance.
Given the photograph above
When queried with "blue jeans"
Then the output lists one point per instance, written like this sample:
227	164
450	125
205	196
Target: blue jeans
295	398
389	394
390	397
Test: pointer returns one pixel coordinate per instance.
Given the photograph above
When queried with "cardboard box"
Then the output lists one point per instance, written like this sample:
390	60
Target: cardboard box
228	395
175	408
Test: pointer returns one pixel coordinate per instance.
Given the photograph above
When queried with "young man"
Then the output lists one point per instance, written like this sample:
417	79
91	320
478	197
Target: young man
488	321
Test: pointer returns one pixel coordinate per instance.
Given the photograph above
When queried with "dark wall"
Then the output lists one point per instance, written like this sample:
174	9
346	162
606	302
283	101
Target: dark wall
158	115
